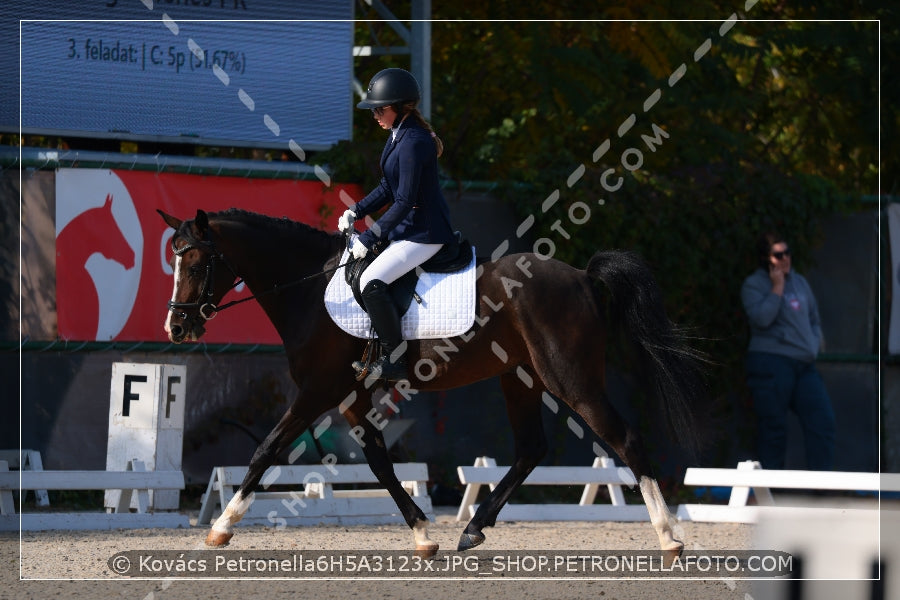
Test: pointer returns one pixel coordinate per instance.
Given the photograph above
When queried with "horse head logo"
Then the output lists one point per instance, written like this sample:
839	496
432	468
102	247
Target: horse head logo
114	246
93	254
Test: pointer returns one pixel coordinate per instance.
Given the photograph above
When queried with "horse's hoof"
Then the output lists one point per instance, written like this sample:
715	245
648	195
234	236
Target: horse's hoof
467	541
426	551
671	554
217	539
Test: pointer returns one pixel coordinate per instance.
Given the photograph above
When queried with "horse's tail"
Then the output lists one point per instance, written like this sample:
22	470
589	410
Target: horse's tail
672	371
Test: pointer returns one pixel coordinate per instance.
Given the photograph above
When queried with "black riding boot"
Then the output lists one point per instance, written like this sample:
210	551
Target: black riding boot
386	321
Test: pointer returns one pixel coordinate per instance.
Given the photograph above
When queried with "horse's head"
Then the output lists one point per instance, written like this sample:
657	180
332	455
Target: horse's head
197	290
113	244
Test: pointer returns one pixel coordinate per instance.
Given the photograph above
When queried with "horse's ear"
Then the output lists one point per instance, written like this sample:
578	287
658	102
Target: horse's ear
201	221
170	220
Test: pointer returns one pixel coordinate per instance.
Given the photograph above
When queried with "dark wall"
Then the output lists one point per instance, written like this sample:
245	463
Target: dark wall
845	282
233	401
230	399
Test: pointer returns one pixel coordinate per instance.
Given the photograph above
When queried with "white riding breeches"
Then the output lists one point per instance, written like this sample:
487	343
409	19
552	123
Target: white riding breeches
398	259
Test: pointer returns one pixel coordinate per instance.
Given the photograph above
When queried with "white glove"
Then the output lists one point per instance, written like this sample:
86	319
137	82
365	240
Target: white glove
345	222
358	250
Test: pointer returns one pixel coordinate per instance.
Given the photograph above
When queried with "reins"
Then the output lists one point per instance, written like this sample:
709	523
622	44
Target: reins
208	310
277	287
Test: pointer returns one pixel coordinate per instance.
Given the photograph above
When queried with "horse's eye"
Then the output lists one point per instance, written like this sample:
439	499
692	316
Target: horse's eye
195	270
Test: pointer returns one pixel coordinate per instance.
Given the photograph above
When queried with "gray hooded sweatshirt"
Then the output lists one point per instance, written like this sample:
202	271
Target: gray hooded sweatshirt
787	325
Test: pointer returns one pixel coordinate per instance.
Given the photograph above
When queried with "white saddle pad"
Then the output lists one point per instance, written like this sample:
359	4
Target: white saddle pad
447	308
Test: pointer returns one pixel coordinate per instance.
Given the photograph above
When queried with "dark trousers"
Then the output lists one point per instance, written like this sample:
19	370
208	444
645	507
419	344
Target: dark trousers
779	384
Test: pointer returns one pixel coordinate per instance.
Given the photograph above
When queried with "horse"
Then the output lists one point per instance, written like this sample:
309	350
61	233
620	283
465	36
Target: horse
541	324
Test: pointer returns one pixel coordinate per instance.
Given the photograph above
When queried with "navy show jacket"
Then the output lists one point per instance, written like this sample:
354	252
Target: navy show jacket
419	212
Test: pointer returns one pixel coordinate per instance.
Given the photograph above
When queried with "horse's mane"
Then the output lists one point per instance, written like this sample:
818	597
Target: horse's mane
281	227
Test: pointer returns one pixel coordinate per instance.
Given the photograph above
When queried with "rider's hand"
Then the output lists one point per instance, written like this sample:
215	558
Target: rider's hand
358	250
345	222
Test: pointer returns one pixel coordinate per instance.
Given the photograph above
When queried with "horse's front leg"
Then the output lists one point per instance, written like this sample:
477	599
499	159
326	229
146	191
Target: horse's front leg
287	430
373	446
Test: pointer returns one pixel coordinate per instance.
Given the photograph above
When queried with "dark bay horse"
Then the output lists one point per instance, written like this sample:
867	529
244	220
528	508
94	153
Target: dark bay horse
541	325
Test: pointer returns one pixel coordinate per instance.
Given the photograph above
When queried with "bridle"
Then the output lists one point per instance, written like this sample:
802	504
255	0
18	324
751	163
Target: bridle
203	306
207	309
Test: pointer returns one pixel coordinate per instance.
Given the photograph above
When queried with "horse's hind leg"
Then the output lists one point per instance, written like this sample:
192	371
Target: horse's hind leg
606	422
584	389
287	430
523	406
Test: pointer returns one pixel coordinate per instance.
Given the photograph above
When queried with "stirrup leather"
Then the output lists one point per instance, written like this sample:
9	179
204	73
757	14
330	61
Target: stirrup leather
364	364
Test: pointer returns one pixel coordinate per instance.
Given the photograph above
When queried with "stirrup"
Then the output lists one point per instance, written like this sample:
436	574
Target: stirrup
384	363
375	376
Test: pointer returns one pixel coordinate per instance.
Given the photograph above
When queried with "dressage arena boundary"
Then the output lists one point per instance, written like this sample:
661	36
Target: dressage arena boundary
135	480
750	475
860	548
24	460
603	472
318	502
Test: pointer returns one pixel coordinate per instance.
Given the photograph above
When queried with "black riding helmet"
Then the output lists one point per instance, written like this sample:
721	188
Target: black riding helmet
391	86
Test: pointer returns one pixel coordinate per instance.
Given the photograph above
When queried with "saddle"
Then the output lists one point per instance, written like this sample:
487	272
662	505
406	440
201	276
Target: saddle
452	257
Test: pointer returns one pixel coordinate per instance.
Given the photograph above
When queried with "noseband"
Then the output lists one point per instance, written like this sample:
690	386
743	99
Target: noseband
204	308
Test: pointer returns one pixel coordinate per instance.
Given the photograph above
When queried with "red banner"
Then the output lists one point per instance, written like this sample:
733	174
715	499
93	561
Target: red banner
113	277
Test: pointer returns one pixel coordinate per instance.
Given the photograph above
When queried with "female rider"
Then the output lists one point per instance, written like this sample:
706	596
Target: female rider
417	224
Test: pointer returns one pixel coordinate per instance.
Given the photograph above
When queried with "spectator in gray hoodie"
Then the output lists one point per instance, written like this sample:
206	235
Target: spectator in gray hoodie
785	337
